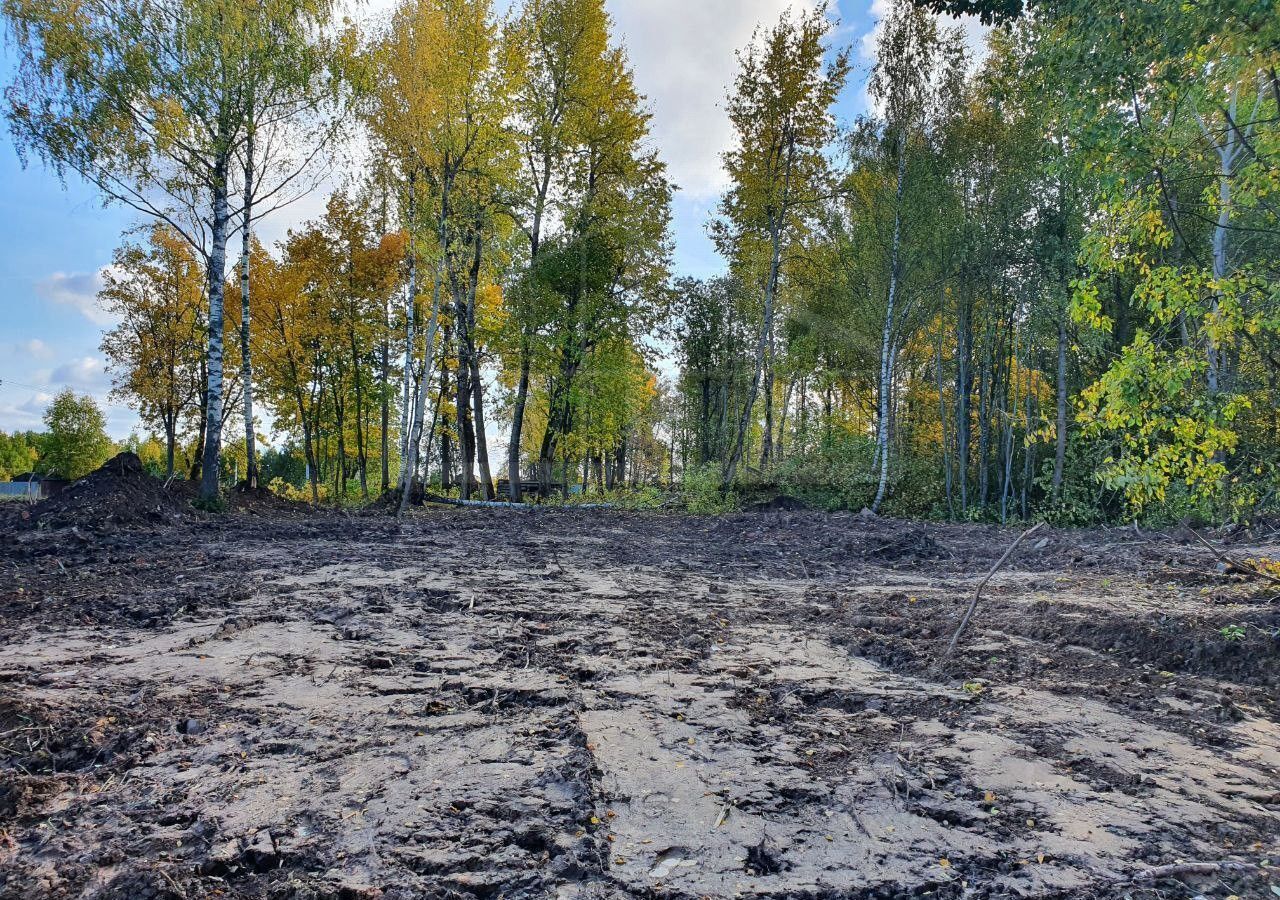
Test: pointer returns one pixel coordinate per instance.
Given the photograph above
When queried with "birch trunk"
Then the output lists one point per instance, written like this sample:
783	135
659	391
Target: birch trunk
886	341
477	386
246	364
777	224
1060	441
424	380
411	316
209	487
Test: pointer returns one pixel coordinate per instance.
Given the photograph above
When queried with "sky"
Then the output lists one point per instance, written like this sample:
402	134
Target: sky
56	238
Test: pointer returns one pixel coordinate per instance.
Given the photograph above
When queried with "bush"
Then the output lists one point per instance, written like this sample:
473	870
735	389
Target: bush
835	474
282	488
703	494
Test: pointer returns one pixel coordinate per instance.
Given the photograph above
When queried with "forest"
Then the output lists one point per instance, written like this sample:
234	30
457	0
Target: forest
1035	279
469	541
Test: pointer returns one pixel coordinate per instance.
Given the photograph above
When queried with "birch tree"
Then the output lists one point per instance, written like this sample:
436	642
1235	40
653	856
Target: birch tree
780	109
917	75
435	84
150	100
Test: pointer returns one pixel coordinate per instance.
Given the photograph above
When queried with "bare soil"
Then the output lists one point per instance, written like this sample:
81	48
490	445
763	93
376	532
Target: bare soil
494	703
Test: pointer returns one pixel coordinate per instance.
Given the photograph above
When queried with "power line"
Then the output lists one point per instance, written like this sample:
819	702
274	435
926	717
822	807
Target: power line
4	381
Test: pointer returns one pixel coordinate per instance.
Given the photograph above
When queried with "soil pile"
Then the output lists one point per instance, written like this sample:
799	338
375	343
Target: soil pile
121	494
260	501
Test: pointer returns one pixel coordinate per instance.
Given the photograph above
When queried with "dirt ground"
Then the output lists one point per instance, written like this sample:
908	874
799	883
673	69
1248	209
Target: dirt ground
502	703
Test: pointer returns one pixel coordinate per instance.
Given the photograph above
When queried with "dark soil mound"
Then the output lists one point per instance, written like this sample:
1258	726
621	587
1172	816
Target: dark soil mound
910	543
121	494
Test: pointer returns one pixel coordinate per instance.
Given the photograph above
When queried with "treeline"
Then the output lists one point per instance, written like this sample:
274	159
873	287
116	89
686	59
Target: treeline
507	226
1038	283
73	443
1044	283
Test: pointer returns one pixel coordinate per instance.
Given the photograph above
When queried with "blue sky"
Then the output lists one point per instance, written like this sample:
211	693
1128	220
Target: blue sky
55	241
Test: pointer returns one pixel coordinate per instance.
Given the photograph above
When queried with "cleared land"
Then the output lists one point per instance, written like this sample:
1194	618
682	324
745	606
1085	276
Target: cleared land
507	704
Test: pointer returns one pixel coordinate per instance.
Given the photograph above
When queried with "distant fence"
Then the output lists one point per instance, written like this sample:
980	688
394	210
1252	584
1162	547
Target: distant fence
28	489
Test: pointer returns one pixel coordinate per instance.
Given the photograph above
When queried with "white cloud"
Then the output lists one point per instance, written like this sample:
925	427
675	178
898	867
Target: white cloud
26	414
78	290
34	348
85	373
683	55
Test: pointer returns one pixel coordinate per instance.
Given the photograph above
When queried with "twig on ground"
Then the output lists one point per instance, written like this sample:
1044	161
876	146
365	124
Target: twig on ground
1227	560
1193	868
977	594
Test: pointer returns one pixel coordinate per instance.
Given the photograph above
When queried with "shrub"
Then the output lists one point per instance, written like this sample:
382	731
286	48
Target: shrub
703	494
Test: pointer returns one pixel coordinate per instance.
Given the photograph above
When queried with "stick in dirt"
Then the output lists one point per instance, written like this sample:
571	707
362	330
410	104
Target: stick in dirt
973	604
1193	868
1231	562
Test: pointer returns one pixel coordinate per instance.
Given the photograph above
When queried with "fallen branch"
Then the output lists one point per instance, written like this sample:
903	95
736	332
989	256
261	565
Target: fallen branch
1231	562
977	594
1193	868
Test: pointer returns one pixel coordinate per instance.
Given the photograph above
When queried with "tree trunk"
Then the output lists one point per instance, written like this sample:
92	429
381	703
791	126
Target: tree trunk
1060	439
411	316
517	423
446	442
1028	448
420	401
386	401
780	444
170	439
776	226
462	397
766	444
964	390
886	341
482	440
948	479
246	365
362	454
209	486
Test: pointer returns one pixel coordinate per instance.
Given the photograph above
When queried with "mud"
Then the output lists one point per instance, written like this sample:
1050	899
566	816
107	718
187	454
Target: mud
491	703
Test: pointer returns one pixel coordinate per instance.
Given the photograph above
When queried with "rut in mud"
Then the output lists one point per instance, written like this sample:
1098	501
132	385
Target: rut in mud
529	704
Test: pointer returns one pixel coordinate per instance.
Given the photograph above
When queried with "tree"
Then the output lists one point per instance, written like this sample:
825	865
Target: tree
155	351
606	276
1179	126
431	111
295	84
916	77
18	454
151	101
76	442
781	113
556	48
